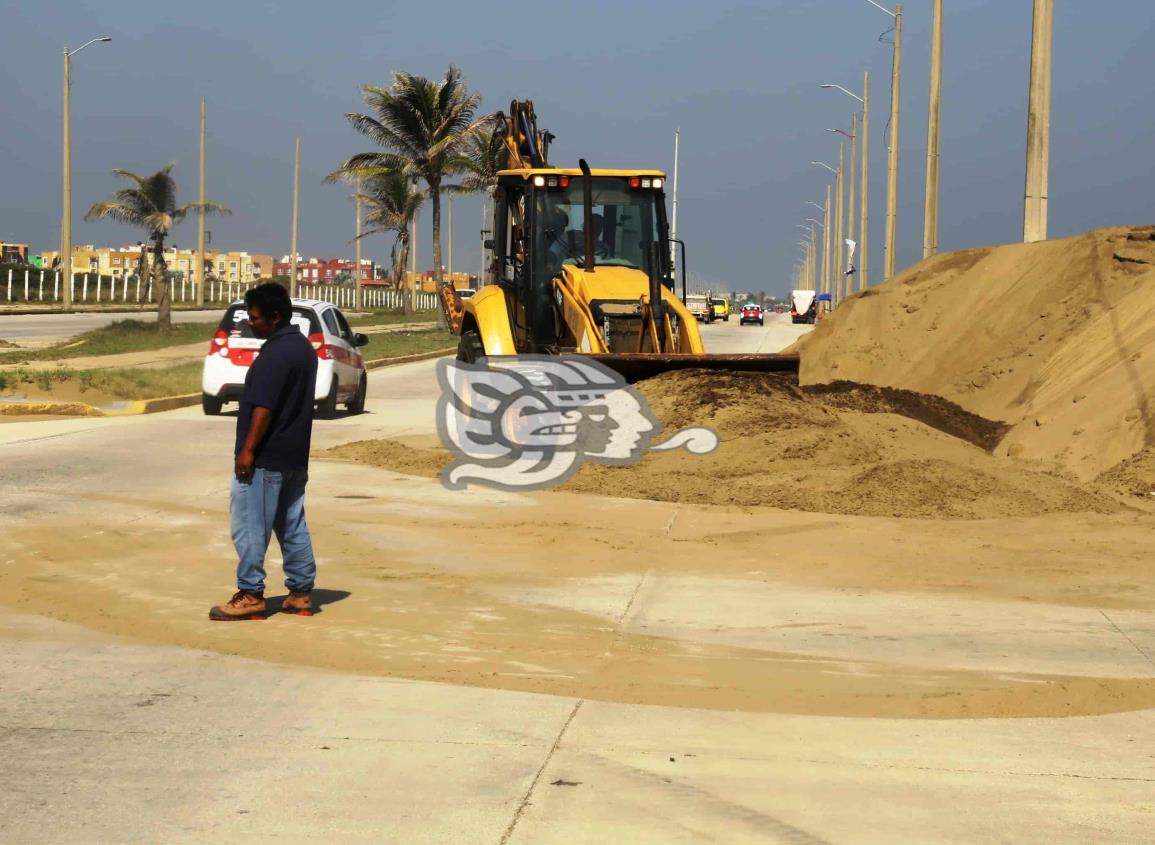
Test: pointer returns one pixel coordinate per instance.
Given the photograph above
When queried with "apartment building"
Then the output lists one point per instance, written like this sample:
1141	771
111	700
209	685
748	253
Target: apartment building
324	271
226	266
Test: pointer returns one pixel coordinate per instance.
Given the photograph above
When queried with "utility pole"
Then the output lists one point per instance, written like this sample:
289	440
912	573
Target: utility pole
451	241
930	210
850	199
892	164
199	276
1039	124
296	197
864	235
66	217
359	296
413	258
826	244
837	278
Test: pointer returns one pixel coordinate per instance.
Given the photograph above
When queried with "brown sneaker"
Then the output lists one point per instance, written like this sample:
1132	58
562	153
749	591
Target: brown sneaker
300	604
243	605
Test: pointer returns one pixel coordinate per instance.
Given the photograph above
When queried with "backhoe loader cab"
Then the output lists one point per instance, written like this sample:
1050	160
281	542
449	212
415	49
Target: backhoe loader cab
574	302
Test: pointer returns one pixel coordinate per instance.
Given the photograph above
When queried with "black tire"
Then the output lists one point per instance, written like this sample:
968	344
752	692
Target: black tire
356	405
327	407
470	348
211	405
726	319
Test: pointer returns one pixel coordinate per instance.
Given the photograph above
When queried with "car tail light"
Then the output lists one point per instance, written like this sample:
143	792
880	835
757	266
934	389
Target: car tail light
219	343
318	341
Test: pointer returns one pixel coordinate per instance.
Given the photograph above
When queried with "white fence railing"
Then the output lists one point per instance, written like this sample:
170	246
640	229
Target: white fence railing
35	286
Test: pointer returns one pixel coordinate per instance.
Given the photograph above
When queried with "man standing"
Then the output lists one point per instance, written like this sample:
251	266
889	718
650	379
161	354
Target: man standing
274	427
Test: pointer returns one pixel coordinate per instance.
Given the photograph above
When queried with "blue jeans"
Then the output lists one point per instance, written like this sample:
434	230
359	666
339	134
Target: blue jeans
272	502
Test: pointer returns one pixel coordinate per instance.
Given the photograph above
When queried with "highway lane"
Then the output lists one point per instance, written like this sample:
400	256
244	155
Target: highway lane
44	329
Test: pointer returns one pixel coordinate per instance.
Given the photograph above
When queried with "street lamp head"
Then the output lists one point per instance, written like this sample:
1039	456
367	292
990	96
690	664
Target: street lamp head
105	38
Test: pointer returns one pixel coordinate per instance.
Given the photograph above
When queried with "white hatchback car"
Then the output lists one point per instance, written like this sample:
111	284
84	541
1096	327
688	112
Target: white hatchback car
340	367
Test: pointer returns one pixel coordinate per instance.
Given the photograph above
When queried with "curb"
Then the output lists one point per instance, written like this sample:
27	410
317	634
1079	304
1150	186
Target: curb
135	407
405	359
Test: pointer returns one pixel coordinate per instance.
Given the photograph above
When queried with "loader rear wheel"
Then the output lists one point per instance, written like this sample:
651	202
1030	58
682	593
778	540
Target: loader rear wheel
470	348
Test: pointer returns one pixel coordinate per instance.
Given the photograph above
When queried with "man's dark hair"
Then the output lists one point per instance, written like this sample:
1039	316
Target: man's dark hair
271	298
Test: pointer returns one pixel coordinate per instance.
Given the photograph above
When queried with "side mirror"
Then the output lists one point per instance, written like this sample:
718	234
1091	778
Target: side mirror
360	339
489	243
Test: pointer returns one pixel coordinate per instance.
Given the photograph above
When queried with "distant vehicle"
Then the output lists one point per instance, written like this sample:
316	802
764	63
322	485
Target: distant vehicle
465	293
340	368
699	305
803	306
721	309
751	313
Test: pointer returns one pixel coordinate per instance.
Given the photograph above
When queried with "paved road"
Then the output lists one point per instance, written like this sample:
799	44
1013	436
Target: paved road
776	335
43	329
181	735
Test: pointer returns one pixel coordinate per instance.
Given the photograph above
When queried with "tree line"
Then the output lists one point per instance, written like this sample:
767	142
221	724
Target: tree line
430	140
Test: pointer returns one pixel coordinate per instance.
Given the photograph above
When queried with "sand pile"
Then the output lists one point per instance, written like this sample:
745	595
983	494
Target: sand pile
1053	338
842	449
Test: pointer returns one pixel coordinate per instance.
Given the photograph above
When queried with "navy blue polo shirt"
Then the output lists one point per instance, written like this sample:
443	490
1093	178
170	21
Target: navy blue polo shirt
282	379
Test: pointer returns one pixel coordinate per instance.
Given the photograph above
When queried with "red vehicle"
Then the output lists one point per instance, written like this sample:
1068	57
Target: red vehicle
751	313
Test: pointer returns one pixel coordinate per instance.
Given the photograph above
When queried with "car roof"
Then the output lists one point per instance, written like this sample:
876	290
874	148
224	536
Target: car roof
304	303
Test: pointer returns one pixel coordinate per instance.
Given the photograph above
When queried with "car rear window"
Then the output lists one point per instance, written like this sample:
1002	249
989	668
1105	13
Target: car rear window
236	321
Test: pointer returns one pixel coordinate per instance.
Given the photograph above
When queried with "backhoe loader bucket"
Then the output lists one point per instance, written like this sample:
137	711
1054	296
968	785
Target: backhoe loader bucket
636	366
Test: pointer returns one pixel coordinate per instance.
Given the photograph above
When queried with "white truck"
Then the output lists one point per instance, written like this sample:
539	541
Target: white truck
803	306
699	305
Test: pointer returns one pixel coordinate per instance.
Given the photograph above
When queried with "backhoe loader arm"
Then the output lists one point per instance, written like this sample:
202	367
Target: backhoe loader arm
527	147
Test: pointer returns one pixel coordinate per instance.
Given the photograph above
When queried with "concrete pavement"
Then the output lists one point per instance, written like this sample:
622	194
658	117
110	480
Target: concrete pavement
174	735
37	330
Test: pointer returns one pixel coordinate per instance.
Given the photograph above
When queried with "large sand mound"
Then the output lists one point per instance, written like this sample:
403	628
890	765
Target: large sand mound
1053	338
846	449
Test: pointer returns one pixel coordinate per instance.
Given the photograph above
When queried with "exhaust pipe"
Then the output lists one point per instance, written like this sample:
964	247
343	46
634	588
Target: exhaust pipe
588	214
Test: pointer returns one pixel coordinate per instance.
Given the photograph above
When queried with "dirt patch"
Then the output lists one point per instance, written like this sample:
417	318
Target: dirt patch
934	411
405	458
849	450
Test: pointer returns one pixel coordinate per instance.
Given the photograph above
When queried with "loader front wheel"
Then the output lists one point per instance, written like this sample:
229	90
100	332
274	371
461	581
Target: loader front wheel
470	348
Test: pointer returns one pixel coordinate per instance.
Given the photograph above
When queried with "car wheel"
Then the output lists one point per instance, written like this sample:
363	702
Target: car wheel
211	405
356	405
327	408
726	319
470	348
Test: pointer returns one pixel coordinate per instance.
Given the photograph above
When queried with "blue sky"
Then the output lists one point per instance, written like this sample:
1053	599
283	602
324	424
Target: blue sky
612	81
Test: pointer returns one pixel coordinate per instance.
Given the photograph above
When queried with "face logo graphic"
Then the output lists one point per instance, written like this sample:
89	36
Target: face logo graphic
528	422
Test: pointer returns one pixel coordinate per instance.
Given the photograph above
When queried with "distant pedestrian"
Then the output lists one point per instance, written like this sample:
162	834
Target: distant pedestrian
274	427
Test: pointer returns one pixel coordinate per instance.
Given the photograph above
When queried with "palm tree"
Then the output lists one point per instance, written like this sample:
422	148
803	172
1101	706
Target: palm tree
393	203
423	126
483	154
151	205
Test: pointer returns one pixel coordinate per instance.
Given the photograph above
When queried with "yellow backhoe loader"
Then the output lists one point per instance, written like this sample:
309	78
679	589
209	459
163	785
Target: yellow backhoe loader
582	264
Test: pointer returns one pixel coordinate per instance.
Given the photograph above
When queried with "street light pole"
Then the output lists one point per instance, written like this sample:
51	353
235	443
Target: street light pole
826	244
850	199
293	242
837	279
359	295
1038	124
864	239
199	275
66	212
930	209
892	161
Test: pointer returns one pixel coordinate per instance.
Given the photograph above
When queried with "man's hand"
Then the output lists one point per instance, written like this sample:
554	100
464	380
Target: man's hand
244	465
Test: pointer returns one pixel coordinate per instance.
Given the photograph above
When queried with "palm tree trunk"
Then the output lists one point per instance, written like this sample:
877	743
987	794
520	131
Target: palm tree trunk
399	274
438	279
160	277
